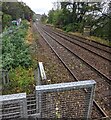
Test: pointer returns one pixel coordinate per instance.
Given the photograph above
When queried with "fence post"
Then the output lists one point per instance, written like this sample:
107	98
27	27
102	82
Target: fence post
91	101
5	78
25	108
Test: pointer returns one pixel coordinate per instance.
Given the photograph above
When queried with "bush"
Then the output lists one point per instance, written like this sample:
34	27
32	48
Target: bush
6	20
69	27
21	80
15	51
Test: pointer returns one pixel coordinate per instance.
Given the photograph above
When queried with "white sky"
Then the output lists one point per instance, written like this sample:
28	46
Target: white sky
40	6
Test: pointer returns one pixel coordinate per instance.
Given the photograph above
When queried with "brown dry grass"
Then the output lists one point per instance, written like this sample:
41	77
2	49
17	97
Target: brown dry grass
29	37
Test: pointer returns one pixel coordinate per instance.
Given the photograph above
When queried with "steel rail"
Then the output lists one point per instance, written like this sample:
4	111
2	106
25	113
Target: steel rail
82	46
92	67
96	104
77	38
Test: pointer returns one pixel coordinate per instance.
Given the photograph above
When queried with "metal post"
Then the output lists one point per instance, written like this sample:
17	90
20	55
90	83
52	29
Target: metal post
39	78
3	77
91	102
38	103
7	77
25	108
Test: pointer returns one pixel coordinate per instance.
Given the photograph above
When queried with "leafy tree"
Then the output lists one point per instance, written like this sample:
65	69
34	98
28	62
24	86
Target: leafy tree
82	14
17	10
44	18
6	20
50	16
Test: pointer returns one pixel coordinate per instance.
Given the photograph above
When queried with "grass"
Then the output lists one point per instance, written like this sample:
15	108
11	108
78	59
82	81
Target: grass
92	38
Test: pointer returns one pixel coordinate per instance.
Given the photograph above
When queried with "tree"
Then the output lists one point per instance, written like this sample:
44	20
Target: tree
6	20
17	10
44	18
83	14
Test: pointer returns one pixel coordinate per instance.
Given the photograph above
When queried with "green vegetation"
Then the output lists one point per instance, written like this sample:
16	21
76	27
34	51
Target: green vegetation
15	51
21	80
93	38
78	15
6	20
16	58
15	10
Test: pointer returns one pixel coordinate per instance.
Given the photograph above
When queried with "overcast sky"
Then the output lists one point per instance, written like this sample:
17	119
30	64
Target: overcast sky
40	6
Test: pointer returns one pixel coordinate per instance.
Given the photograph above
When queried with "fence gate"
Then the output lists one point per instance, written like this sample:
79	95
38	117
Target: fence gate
13	106
65	100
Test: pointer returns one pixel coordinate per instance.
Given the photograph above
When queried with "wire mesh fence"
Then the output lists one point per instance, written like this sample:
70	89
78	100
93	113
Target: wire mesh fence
65	100
13	106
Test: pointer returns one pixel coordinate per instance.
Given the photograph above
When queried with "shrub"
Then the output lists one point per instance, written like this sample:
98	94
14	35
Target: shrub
21	80
15	51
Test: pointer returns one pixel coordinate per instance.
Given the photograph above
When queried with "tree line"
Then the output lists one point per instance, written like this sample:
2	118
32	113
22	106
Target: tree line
13	11
78	15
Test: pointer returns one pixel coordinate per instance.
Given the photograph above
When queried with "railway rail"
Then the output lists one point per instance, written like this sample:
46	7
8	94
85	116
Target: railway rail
92	57
72	73
94	44
104	54
84	60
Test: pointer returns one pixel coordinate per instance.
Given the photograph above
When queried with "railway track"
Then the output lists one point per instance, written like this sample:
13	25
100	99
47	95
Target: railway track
67	67
104	54
98	62
92	67
94	44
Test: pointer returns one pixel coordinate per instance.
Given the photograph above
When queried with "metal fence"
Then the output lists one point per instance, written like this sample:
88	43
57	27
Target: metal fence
4	77
13	106
65	100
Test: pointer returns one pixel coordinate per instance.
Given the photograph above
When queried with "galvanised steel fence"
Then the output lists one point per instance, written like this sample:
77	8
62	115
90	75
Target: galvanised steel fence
65	100
13	106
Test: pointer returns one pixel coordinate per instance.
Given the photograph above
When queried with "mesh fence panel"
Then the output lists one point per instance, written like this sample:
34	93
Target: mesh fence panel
68	104
11	110
13	106
71	103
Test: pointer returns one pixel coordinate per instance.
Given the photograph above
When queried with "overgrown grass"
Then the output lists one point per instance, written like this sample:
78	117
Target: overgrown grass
21	80
92	38
20	65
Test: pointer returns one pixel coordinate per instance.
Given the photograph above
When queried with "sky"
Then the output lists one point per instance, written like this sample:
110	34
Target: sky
40	6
